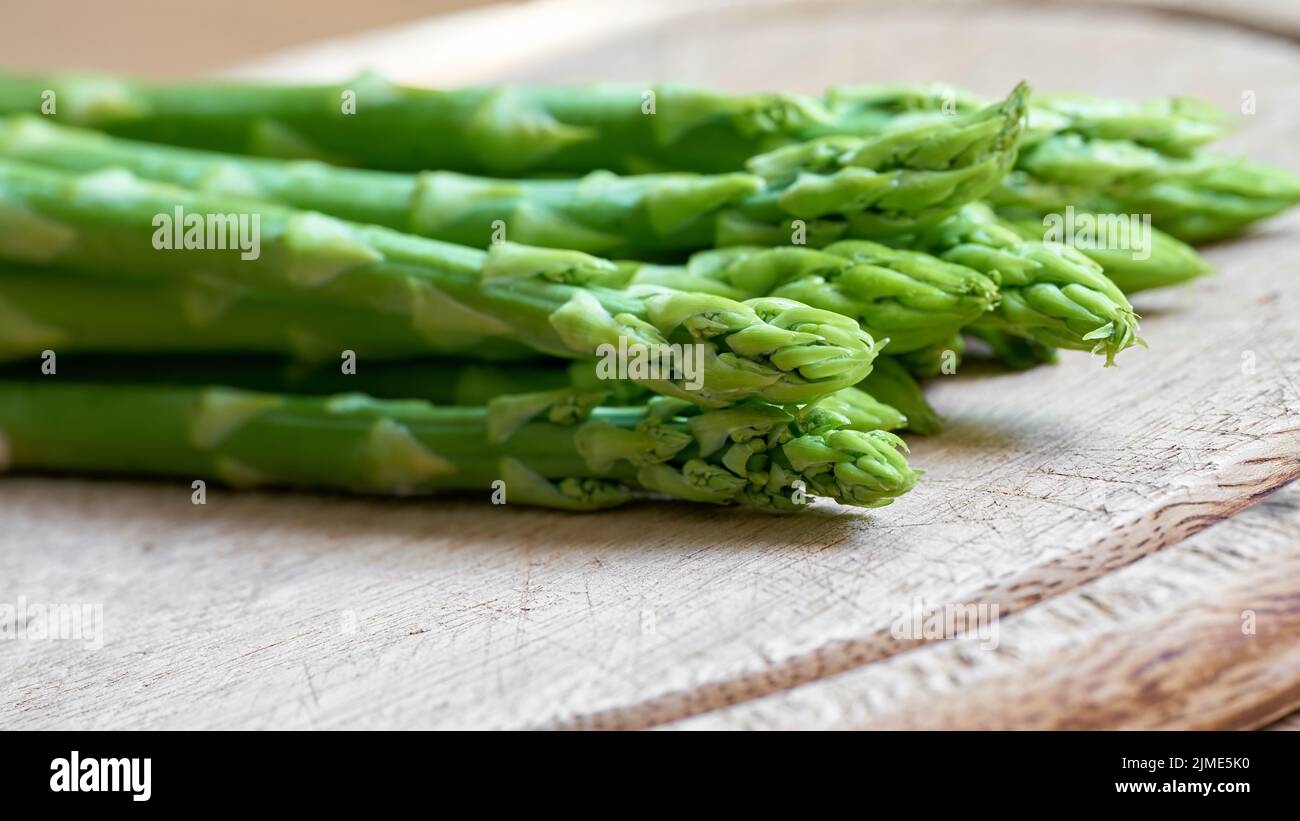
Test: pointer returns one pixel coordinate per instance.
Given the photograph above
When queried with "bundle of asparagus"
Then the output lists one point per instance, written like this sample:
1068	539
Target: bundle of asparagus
845	185
560	296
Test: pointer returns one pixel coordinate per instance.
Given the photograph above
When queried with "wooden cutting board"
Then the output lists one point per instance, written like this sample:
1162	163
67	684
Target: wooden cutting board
1131	526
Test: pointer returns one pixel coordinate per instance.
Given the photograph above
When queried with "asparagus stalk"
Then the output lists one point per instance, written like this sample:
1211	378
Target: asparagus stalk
1198	199
43	310
912	299
880	185
1050	292
571	388
1102	155
104	224
461	382
906	176
1176	126
495	131
1165	261
852	409
754	455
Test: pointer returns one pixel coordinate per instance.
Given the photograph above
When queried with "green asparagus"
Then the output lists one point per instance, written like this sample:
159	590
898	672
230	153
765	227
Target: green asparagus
1049	292
1176	126
1161	262
106	224
906	294
878	185
571	387
912	299
42	311
1198	199
1102	155
754	455
495	131
931	169
437	381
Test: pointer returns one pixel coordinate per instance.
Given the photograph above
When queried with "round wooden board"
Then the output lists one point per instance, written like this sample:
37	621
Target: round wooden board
281	610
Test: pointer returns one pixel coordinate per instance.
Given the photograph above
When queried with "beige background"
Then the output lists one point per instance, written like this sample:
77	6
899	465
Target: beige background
165	38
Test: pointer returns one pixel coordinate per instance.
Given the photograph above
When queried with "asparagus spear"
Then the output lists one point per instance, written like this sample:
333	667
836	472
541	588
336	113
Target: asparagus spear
1102	155
437	381
754	455
104	224
43	310
1198	199
852	409
505	130
912	299
1050	292
880	185
1176	126
931	169
572	388
494	131
1165	261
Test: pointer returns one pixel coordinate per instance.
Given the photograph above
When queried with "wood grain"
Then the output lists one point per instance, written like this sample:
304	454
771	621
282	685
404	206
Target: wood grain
1196	669
286	610
1200	635
1291	722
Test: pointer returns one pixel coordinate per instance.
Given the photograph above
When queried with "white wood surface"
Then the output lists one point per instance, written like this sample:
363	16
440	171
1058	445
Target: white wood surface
282	610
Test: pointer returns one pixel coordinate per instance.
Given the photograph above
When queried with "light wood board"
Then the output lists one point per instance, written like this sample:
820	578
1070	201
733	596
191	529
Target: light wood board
1088	504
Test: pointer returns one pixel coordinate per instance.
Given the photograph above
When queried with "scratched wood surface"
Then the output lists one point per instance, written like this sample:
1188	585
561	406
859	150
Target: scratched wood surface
1151	645
1089	505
